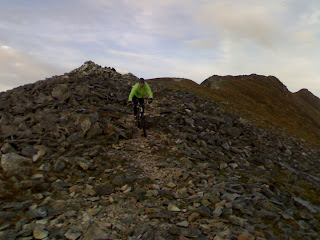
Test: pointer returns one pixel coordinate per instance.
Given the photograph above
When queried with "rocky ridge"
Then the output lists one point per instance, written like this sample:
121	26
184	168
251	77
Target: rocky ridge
268	98
74	166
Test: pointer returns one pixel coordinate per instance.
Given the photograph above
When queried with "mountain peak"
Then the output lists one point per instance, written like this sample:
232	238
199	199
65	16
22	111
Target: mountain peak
89	67
244	81
268	98
306	92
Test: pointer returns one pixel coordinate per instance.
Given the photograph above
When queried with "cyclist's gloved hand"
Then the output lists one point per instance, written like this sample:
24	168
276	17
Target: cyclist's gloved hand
150	100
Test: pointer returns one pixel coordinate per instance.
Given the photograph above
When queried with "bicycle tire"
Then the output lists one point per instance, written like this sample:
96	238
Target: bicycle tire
138	118
143	125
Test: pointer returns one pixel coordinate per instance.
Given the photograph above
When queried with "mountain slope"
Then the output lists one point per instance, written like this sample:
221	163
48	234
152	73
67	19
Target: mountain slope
75	166
267	98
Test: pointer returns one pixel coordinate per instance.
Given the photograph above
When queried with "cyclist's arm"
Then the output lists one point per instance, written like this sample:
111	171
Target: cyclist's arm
132	93
149	91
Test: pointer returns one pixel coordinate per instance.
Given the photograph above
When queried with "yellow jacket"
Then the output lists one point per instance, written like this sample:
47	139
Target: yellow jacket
140	92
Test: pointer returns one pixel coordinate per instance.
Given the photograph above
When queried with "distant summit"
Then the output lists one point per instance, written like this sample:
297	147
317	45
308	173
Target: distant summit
268	98
246	84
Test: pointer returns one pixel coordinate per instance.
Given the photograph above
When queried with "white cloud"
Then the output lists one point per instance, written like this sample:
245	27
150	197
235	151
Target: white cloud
306	39
166	19
241	20
18	68
313	18
200	43
152	66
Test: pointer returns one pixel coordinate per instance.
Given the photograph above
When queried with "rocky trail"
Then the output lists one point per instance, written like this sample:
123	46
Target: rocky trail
74	166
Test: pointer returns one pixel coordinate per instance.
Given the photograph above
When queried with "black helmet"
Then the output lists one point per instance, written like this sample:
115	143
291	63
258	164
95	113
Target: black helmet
141	80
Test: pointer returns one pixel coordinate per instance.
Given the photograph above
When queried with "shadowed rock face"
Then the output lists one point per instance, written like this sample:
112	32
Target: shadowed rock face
74	166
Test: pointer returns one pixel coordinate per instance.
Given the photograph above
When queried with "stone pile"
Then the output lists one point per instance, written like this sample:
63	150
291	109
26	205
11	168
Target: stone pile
74	166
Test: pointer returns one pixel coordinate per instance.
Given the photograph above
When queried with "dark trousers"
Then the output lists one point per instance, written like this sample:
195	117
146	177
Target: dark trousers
135	101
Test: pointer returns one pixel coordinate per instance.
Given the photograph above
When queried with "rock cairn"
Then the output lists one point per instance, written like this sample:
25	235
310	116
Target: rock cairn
74	166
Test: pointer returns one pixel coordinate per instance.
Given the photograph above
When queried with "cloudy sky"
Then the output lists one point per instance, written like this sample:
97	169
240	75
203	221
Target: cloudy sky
193	39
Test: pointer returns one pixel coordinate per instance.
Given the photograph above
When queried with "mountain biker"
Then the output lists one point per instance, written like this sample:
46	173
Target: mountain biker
137	94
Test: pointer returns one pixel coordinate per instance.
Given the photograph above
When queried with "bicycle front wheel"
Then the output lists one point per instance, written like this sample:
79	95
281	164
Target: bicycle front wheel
138	118
143	125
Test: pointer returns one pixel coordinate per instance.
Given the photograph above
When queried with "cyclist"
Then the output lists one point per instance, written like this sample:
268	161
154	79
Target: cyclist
137	94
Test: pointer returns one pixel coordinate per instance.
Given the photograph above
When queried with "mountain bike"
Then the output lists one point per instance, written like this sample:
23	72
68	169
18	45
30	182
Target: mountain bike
141	120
